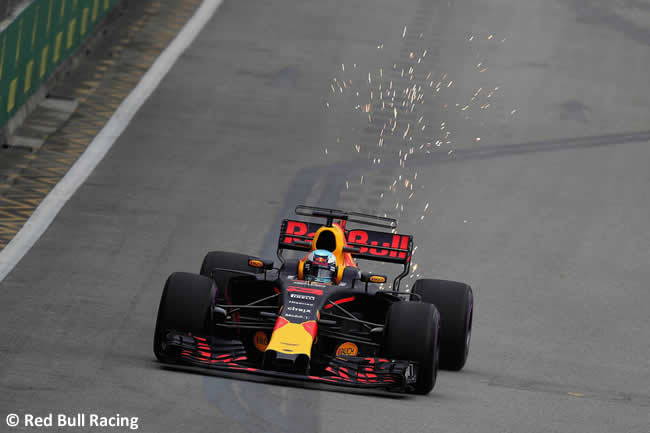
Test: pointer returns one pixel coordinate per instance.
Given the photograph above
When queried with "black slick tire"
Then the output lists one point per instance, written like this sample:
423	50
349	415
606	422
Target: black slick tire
185	306
224	260
411	333
455	302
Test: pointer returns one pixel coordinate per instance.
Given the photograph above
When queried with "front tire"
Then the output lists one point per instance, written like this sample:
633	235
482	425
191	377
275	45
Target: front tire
185	306
455	302
411	333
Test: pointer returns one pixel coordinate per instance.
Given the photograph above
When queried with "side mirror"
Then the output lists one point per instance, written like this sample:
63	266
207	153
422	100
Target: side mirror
353	250
369	277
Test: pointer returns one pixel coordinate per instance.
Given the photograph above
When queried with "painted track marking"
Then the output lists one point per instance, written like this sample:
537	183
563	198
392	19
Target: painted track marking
52	204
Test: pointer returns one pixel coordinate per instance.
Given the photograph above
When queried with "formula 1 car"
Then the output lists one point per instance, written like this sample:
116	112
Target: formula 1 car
244	314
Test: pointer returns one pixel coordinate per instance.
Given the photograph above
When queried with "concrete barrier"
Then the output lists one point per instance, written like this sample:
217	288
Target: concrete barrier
37	41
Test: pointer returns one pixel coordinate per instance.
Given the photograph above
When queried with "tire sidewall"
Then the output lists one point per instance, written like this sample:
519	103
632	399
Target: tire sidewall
412	334
194	316
454	301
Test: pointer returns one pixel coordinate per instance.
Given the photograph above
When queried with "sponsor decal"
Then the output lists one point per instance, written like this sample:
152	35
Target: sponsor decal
304	290
306	304
299	228
298	312
303	297
370	243
347	349
260	340
386	240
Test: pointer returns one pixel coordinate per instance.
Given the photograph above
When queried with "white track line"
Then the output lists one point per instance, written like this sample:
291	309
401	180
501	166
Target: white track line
79	172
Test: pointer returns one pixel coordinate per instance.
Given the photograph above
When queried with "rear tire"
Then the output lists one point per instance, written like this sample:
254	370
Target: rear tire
411	333
185	306
225	260
455	302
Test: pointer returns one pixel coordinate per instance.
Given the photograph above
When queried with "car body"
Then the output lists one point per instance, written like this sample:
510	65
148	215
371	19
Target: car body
244	314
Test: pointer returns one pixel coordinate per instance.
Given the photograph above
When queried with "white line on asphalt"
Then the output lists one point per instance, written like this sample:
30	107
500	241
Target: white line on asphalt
79	172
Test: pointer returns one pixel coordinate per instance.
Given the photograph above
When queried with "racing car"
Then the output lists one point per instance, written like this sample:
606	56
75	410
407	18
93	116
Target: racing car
317	317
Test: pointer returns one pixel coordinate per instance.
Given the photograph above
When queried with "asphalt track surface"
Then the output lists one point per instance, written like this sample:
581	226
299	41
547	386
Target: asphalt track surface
546	215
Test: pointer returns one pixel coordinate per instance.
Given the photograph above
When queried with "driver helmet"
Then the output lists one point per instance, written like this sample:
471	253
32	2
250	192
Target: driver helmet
320	266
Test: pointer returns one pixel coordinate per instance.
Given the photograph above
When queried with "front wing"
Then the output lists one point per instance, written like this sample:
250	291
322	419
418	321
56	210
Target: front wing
226	355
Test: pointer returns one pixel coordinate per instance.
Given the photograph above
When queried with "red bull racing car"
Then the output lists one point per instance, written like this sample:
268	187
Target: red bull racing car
318	317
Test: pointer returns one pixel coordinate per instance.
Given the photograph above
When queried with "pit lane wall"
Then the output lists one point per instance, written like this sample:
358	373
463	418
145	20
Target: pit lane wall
38	40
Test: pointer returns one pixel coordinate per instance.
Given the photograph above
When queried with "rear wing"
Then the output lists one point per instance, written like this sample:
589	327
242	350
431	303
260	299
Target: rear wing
372	245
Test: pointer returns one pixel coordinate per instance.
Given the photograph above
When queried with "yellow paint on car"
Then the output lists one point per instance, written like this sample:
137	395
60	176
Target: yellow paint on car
291	338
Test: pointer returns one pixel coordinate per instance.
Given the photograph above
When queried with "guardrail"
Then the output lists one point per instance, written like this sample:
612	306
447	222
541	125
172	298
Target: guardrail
38	40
